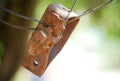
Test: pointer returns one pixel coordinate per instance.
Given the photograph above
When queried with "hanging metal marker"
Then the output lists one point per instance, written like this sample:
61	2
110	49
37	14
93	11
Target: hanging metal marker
48	38
52	32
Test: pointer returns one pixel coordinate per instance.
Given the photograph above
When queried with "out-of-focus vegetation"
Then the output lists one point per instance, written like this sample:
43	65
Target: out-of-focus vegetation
104	21
108	16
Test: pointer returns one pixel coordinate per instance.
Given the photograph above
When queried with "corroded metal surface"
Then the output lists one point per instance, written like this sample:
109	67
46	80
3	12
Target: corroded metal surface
49	37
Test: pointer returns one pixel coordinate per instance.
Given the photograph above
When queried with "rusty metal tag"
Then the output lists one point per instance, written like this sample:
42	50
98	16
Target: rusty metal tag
48	38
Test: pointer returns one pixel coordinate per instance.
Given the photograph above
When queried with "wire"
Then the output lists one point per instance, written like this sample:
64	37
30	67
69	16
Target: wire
96	8
15	26
71	9
19	15
91	9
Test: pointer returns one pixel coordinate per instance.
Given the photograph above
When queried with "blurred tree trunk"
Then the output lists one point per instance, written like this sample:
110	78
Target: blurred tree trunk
14	40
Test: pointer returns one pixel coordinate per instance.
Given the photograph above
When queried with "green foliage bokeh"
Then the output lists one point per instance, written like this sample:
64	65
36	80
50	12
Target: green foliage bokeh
108	17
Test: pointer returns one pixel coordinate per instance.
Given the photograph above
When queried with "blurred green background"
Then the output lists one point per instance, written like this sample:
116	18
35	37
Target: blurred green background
104	23
97	33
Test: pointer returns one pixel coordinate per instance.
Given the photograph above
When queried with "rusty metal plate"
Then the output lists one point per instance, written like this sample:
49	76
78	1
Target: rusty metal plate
48	38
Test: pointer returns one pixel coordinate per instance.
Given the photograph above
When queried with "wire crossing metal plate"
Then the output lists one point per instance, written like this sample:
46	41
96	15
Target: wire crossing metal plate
48	38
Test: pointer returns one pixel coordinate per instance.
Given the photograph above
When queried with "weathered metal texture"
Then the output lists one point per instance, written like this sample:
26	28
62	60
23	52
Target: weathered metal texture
49	37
